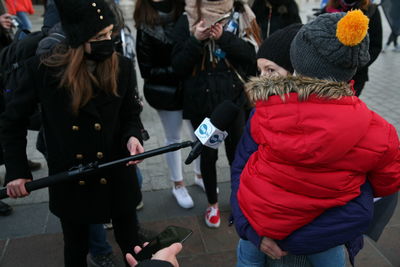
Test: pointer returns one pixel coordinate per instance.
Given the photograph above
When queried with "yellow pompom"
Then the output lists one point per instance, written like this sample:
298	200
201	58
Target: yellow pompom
352	28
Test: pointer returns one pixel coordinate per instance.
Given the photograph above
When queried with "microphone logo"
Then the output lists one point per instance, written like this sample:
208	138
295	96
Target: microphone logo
204	130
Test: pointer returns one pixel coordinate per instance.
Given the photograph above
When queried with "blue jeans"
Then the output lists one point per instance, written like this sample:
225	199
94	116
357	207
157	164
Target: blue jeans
139	176
249	255
24	21
98	244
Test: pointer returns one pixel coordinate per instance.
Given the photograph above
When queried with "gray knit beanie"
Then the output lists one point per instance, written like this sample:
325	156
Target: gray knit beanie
332	46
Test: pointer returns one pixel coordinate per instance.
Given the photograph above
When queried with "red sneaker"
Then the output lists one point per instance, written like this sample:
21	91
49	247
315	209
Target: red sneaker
213	217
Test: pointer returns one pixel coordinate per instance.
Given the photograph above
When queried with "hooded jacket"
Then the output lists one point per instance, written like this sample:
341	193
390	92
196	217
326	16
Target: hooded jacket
311	135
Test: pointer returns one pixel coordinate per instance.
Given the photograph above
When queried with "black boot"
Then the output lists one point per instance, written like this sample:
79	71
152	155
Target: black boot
5	209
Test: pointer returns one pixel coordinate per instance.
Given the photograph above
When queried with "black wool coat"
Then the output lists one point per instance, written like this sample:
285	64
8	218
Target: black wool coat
98	133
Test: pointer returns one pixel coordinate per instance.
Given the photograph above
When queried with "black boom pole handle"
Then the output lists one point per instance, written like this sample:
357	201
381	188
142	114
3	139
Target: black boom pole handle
75	172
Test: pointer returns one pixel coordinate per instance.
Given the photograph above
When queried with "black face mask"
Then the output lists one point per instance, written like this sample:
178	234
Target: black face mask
100	50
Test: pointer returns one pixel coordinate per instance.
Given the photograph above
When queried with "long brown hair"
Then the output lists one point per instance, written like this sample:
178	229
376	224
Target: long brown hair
145	14
362	4
78	79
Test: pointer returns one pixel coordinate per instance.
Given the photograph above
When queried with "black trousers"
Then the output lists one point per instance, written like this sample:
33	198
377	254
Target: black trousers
76	236
209	156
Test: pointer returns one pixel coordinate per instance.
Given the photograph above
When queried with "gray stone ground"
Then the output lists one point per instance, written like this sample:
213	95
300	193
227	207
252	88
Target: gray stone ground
31	235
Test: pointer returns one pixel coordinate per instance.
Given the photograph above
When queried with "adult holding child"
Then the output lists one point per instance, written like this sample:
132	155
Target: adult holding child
302	176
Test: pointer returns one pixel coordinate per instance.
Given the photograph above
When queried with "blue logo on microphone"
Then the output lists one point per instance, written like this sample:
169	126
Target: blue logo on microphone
204	130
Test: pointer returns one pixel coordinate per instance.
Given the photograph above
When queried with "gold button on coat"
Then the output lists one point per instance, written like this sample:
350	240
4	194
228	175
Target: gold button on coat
75	128
100	155
103	181
81	182
97	126
79	156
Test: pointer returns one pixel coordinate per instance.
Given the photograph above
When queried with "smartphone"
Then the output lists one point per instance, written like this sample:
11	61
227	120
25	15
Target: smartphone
227	15
171	234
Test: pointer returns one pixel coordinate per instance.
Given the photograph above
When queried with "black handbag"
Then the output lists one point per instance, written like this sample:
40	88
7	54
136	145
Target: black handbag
163	96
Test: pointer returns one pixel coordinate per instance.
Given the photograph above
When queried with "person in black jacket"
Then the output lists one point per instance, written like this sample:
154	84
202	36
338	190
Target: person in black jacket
374	32
155	21
214	63
273	15
90	112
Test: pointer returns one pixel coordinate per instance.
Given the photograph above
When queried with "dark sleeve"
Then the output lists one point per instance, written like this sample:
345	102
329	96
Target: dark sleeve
14	122
130	108
187	50
334	227
246	147
238	51
294	16
375	35
144	50
154	263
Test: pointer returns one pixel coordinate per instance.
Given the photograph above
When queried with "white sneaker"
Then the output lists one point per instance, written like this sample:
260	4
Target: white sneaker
212	217
200	183
182	196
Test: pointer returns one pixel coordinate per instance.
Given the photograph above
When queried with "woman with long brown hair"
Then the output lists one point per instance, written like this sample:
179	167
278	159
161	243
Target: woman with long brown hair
90	113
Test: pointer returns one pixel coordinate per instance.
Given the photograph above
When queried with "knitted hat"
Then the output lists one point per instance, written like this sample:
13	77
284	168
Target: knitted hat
332	46
276	48
82	19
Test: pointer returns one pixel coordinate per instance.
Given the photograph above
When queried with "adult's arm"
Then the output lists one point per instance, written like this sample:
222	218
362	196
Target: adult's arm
21	103
246	147
187	51
147	63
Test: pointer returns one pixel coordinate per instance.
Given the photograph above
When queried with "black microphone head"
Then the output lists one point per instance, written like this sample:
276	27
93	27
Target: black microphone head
224	114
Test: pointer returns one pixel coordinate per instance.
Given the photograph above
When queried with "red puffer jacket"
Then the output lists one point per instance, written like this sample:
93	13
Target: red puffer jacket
313	155
14	6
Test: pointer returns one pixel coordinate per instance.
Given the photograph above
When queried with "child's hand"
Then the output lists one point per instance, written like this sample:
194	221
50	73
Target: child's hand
269	247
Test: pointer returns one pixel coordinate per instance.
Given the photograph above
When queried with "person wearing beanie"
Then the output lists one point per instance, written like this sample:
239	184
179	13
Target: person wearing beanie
311	147
273	56
374	32
90	113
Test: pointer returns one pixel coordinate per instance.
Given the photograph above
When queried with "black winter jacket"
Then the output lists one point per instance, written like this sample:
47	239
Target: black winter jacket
153	48
98	133
206	85
283	14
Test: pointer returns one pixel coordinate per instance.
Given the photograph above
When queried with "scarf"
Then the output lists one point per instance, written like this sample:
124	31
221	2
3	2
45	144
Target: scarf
210	11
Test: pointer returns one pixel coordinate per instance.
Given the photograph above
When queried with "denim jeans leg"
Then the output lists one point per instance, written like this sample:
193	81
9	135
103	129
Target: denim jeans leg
24	19
334	257
98	244
249	255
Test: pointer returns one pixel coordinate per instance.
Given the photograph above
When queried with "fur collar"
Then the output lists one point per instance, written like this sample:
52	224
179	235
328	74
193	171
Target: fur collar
260	88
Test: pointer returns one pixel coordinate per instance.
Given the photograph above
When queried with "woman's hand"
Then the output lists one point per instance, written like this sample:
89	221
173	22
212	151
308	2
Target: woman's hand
201	32
165	254
269	247
134	148
5	21
216	31
16	188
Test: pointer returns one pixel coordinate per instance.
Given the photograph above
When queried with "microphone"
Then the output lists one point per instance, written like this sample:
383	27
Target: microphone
211	132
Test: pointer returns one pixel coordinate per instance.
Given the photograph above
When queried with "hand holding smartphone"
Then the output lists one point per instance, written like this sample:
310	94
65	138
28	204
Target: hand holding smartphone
171	234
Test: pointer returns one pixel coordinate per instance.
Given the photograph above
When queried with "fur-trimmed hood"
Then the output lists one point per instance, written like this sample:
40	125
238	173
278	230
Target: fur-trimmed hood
306	120
261	88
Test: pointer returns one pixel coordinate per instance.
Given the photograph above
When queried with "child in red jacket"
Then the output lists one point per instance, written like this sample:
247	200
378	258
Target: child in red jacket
317	142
